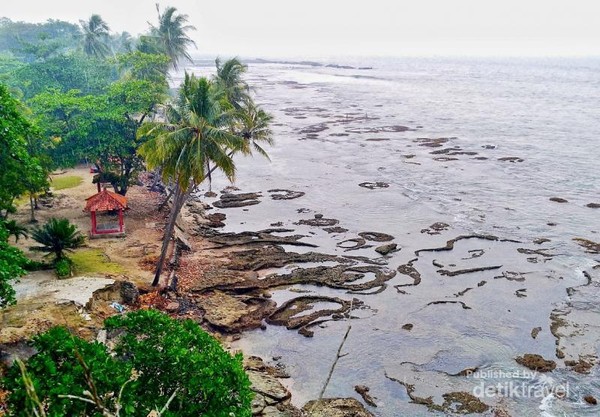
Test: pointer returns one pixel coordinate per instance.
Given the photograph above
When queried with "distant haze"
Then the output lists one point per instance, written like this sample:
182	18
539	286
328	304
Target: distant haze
335	27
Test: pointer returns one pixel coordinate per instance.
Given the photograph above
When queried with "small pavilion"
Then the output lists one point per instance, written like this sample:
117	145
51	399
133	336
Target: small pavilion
106	201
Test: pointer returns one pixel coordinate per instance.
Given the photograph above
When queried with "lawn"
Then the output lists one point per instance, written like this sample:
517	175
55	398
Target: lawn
90	261
68	181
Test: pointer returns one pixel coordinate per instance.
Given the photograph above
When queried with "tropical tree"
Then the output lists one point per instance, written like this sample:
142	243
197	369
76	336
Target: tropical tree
15	229
195	133
57	237
229	78
253	124
12	266
95	36
170	35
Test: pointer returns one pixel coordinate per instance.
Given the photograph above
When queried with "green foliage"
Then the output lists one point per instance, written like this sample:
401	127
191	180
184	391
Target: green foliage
20	172
170	37
91	261
12	265
156	357
15	229
95	36
63	267
56	237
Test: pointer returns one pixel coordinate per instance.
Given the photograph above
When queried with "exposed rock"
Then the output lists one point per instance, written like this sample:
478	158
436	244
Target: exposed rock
335	229
229	200
318	221
262	237
536	362
590	399
463	305
591	247
215	219
267	386
468	270
384	129
352	244
541	240
580	366
411	271
374	185
376	236
234	314
363	390
255	363
210	194
450	244
408	326
593	205
386	249
274	256
280	194
436	228
431	143
558	200
335	407
512	159
535	331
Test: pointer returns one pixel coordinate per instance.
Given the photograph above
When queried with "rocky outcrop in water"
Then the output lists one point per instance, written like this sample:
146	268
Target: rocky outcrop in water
229	200
335	407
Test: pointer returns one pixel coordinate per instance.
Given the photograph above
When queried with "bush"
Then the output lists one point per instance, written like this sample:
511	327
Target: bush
63	267
168	359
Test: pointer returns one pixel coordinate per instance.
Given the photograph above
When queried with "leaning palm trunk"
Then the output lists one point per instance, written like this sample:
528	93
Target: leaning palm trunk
179	198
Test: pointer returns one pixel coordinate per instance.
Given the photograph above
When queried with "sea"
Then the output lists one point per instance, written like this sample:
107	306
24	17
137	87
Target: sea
428	150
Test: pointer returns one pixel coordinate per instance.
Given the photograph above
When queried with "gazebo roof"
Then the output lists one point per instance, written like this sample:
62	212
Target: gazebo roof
105	200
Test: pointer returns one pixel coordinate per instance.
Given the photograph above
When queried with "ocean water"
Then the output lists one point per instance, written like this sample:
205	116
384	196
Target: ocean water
545	112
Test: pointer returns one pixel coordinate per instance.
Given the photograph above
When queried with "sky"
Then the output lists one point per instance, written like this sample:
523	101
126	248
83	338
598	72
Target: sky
316	28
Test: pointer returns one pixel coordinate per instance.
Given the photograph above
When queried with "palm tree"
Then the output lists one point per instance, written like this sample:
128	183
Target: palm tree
253	124
95	36
196	133
15	229
229	79
171	34
56	237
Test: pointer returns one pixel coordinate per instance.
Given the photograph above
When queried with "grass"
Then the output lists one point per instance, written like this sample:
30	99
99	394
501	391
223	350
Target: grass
68	181
89	261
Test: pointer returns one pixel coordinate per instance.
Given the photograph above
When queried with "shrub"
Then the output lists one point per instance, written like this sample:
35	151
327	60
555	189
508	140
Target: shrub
12	265
63	267
57	237
168	359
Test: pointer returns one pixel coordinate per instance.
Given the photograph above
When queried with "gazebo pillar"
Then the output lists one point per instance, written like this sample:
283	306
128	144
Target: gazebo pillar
94	231
121	221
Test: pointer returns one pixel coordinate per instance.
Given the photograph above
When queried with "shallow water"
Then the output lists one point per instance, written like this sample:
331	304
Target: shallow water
543	111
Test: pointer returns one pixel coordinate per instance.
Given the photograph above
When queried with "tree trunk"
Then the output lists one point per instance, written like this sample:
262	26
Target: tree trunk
178	201
32	205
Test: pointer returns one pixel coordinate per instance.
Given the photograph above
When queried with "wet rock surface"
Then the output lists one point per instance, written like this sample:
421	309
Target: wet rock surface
319	221
229	200
281	194
374	185
335	407
536	362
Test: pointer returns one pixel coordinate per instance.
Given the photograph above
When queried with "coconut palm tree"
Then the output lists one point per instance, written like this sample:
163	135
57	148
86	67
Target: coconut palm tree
57	237
196	133
171	34
229	78
95	36
253	124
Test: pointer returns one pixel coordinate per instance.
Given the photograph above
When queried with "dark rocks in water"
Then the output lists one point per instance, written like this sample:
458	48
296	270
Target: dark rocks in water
335	407
580	366
450	244
558	200
535	331
335	229
320	127
488	146
512	276
445	159
363	391
540	252
273	256
352	244
376	236
590	247
318	221
444	151
411	271
229	200
276	224
590	399
210	194
593	205
377	139
512	159
381	129
463	305
408	326
431	142
468	270
261	237
481	158
280	194
436	228
303	210
536	362
290	314
374	185
541	240
386	249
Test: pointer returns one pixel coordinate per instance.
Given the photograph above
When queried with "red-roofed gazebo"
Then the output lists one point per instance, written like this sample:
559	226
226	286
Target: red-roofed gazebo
106	201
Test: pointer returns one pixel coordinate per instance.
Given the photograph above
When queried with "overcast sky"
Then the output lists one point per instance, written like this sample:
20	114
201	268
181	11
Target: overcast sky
368	27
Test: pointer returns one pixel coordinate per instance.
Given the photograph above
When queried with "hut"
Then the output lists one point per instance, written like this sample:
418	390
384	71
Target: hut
106	202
